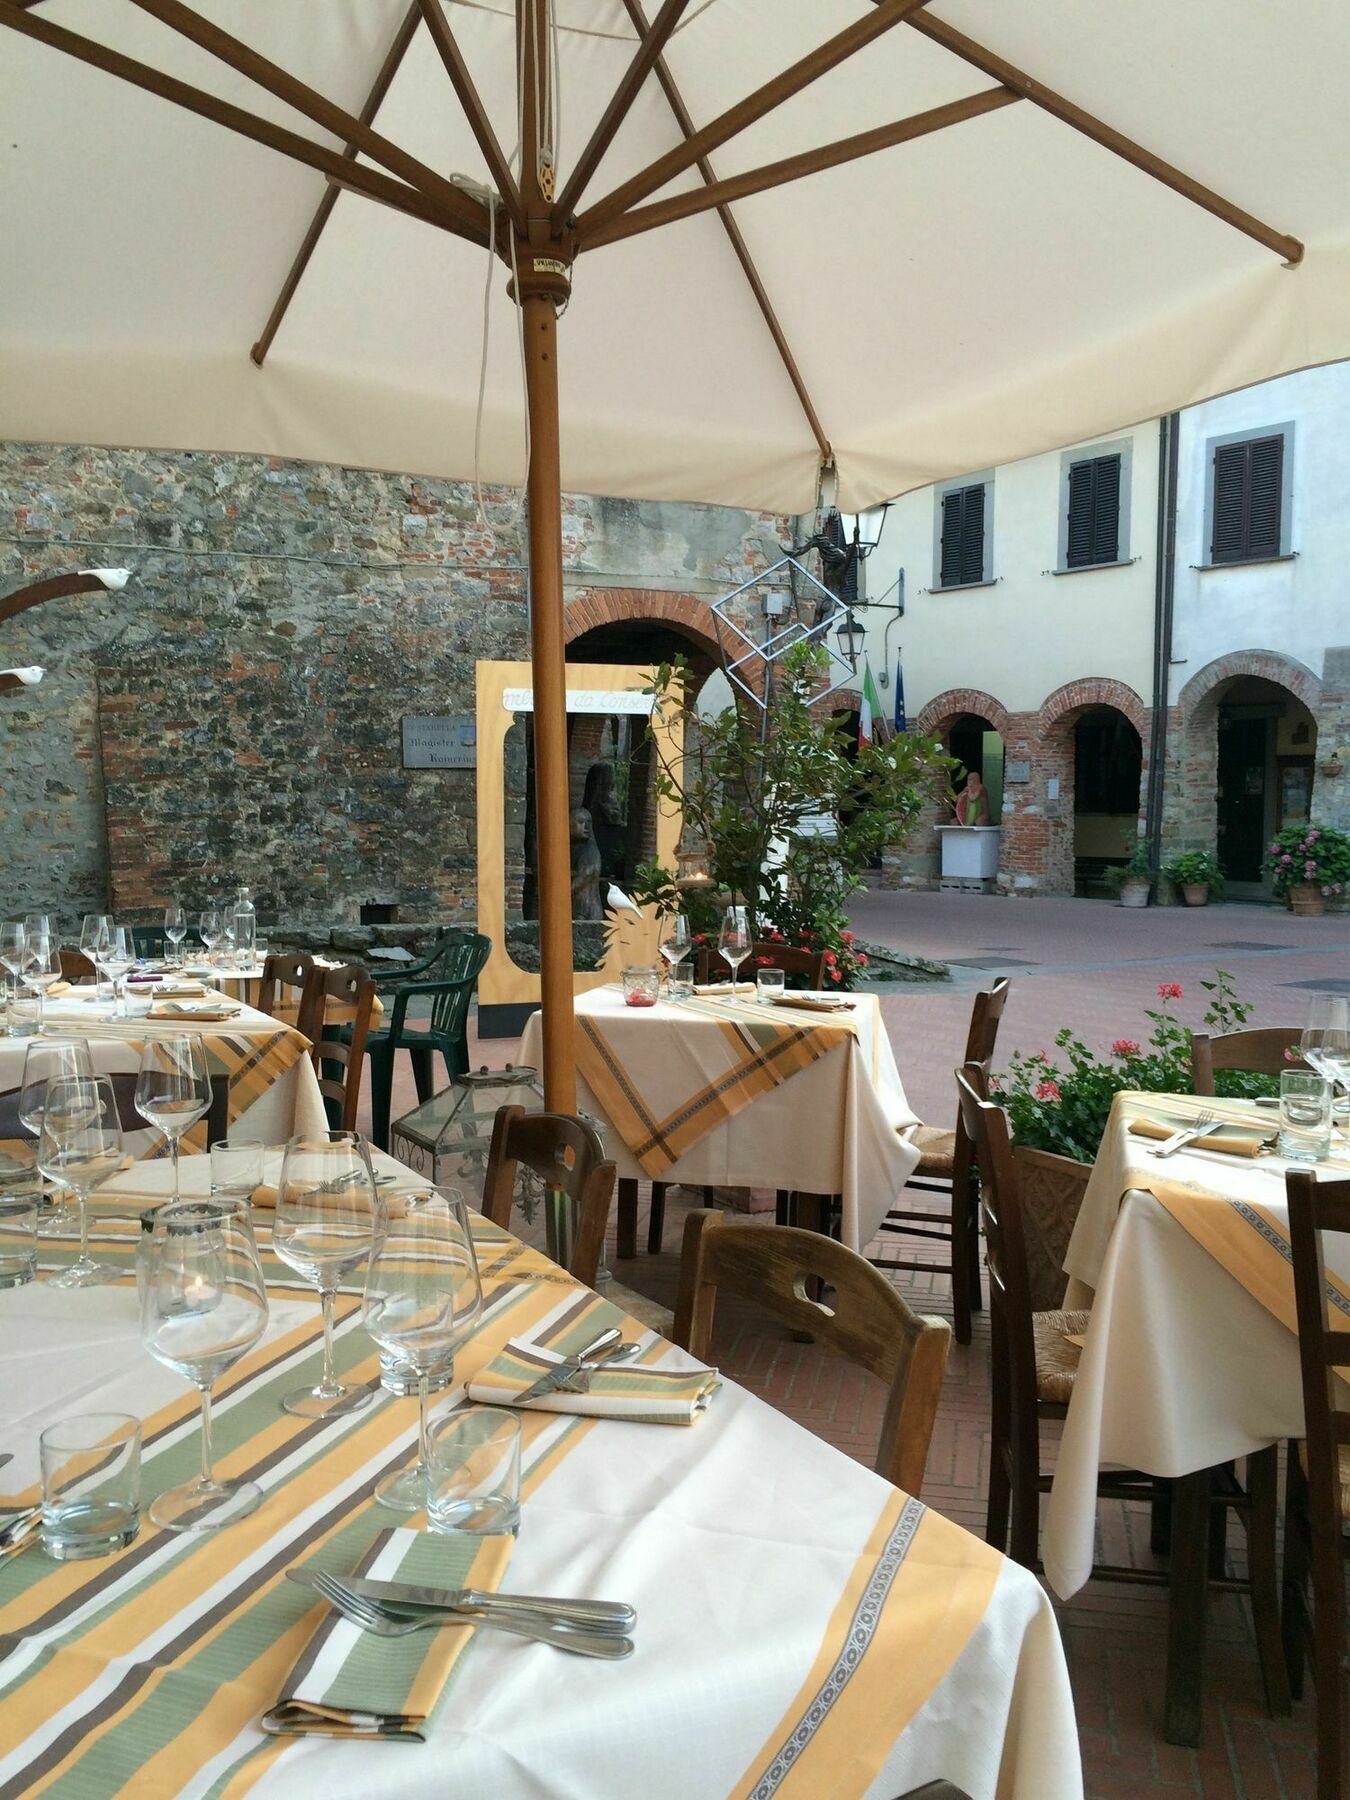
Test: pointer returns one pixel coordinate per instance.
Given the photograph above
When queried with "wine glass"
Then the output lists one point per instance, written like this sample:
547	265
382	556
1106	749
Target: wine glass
734	939
209	929
79	1147
175	930
46	1060
423	1297
677	943
119	956
173	1087
1324	1043
95	935
328	1221
42	967
13	953
203	1306
40	925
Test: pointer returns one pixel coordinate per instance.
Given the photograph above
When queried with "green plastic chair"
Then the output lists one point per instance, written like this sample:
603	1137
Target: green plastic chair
456	966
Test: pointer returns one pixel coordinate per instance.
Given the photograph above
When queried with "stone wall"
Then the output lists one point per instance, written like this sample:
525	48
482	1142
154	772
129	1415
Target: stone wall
234	714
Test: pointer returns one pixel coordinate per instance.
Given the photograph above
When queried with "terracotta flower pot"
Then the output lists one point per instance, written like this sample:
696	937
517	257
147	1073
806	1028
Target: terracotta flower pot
1195	893
1306	899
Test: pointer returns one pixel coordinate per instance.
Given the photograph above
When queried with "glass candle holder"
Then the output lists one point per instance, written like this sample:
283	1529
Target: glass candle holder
641	986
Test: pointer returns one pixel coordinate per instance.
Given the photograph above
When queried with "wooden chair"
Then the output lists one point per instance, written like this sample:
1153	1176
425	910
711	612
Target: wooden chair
763	955
566	1154
1259	1052
286	979
339	1041
1317	1503
1033	1372
936	1790
867	1322
945	1168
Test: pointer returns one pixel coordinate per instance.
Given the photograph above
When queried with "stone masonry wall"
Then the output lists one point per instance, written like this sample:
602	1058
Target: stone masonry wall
234	714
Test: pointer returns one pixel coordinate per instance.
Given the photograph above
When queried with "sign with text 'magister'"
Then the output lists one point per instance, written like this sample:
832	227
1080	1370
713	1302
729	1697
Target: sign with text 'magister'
440	741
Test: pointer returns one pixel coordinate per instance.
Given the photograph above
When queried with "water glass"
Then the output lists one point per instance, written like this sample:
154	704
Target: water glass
770	986
1305	1116
18	1232
24	1010
236	1170
91	1485
474	1479
680	984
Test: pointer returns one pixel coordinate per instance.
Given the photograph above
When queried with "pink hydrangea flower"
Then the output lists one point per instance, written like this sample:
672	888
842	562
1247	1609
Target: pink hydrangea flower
1047	1090
1286	859
1170	990
1124	1047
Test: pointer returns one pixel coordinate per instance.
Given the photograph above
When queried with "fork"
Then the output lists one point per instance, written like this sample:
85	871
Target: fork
1205	1120
369	1616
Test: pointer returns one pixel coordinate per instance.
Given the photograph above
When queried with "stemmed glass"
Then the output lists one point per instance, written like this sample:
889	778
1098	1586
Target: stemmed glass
119	955
46	1060
677	943
95	936
42	968
80	1146
734	939
14	951
209	929
423	1298
328	1221
203	1306
175	930
40	925
1325	1040
173	1087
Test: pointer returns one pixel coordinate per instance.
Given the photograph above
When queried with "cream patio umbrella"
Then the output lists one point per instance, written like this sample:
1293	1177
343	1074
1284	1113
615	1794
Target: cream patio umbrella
902	239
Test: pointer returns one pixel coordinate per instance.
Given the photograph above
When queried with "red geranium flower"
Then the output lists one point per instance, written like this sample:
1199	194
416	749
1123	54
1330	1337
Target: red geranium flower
1124	1047
1047	1090
1170	990
830	959
861	960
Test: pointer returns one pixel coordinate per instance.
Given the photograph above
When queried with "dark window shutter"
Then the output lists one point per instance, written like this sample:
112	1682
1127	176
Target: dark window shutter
1094	512
1248	498
962	556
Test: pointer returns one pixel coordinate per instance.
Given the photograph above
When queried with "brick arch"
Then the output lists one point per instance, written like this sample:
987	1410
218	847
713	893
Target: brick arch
945	707
691	618
1093	690
1267	665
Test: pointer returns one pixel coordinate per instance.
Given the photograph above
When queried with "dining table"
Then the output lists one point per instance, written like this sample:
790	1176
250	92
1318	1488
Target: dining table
804	1629
720	1091
262	1073
1190	1357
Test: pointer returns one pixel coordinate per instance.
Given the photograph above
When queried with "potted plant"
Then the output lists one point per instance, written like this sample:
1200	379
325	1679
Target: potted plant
1196	875
1309	864
1132	880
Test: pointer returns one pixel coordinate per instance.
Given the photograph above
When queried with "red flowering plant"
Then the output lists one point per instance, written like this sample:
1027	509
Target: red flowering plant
1063	1107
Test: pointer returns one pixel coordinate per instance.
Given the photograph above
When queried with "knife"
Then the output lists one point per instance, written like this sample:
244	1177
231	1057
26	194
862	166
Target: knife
559	1373
587	1615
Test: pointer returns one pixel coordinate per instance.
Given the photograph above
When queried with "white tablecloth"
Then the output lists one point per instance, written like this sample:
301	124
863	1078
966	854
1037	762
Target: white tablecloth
832	1128
735	1539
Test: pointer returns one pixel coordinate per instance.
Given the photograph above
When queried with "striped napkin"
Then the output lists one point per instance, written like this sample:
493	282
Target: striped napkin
212	1011
350	1683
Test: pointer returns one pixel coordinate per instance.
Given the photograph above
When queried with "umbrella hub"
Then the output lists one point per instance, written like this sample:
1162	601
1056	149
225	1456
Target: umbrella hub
543	263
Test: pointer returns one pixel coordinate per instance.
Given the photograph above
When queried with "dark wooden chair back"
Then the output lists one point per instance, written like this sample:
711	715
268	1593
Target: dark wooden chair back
339	997
1315	1207
1258	1052
286	977
76	966
984	1022
566	1154
868	1322
936	1790
765	955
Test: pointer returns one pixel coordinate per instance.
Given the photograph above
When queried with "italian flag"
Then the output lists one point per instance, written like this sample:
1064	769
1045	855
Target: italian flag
869	719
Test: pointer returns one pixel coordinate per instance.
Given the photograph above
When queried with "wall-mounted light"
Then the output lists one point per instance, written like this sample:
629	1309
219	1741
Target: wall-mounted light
850	635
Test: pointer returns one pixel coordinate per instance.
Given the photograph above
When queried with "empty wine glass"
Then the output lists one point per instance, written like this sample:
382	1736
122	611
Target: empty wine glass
175	930
327	1222
79	1147
423	1298
119	956
42	967
40	925
95	935
13	954
203	1306
734	939
1325	1040
677	943
173	1087
45	1060
209	929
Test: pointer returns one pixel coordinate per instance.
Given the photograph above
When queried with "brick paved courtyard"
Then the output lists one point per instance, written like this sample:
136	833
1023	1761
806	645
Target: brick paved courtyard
1096	967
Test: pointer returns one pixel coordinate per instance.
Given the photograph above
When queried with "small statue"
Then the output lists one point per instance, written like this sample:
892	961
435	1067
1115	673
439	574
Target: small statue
607	819
585	868
972	803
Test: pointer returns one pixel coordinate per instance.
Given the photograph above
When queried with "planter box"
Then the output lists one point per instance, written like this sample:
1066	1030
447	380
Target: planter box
970	852
1051	1189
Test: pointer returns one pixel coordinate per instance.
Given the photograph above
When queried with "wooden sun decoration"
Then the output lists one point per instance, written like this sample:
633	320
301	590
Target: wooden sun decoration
52	587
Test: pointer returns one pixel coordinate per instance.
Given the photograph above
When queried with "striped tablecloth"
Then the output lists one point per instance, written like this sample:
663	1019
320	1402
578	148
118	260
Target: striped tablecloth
805	1630
730	1093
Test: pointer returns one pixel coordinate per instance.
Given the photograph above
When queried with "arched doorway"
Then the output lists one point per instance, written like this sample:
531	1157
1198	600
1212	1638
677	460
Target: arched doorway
1108	762
1265	747
972	740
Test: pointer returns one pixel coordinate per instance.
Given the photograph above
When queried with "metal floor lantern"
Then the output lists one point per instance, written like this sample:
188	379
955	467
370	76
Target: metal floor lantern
961	178
784	609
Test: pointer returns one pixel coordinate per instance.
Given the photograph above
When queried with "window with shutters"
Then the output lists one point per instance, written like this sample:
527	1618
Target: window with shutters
1248	500
1094	506
964	529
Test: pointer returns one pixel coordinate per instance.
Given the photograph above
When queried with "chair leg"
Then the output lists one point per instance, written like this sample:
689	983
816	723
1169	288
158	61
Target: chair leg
423	1071
998	1506
1024	1542
960	1269
656	1224
1294	1579
782	1211
1263	1476
381	1098
1328	1656
1160	1519
627	1220
973	1251
1188	1600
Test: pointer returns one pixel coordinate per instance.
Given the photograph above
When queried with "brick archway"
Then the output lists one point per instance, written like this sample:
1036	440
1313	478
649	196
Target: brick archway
690	618
1095	690
1266	665
943	708
1056	732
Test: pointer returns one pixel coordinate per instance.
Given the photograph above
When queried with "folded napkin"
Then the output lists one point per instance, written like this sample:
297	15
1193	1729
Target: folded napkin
55	991
826	1003
1230	1146
179	990
263	1195
210	1012
722	990
642	1396
349	1683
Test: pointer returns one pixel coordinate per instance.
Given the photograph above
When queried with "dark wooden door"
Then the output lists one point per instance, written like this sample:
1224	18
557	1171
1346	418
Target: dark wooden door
1243	763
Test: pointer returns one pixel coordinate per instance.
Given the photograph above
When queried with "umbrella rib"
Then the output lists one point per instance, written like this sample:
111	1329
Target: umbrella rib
315	107
370	182
737	118
654	40
398	49
808	162
1106	135
462	82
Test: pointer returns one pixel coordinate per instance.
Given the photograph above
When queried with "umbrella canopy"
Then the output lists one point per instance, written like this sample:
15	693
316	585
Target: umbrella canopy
1002	284
907	239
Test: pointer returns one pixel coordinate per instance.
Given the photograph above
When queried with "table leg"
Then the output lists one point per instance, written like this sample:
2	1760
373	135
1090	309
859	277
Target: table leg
626	1246
1187	1605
